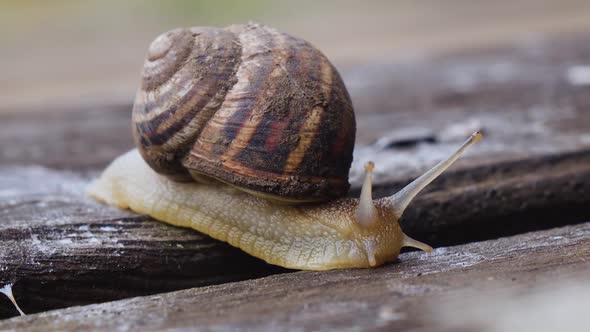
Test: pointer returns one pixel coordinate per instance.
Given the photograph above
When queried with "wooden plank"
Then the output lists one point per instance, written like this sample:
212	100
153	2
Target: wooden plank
52	236
71	138
395	296
64	249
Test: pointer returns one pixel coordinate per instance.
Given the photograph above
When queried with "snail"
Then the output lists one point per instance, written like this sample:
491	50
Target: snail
246	134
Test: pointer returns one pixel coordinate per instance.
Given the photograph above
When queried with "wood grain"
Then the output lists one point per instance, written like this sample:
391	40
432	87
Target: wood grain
52	236
395	296
63	249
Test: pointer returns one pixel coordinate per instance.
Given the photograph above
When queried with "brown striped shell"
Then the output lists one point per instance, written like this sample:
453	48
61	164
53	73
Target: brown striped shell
249	106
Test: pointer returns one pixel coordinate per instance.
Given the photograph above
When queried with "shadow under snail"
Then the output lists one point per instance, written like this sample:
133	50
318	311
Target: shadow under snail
246	134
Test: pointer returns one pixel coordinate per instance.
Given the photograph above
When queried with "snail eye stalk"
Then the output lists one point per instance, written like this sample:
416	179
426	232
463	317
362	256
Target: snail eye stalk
400	200
366	212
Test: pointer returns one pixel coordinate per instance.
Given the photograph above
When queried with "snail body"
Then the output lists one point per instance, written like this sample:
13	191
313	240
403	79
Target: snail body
341	233
317	237
225	141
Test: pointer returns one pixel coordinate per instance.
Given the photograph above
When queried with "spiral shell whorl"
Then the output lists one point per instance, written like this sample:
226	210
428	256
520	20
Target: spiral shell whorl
246	105
185	78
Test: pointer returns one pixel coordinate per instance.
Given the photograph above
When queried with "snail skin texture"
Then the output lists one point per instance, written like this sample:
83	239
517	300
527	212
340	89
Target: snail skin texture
341	233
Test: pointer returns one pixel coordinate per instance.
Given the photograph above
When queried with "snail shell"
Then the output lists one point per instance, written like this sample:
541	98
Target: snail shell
246	105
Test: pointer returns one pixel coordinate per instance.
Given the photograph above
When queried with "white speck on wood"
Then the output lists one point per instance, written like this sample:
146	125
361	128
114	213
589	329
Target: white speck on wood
65	241
388	314
35	239
578	75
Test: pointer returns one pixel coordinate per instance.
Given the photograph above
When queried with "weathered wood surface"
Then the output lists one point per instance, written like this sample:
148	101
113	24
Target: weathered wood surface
53	237
396	296
64	249
532	171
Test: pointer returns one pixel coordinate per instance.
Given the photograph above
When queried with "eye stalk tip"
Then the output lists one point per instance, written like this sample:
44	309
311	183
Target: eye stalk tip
476	136
401	199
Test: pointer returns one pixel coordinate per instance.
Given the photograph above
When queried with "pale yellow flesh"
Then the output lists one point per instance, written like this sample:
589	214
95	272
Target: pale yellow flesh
344	233
311	237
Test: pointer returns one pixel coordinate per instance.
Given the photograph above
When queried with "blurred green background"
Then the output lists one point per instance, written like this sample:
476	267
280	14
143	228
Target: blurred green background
65	52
